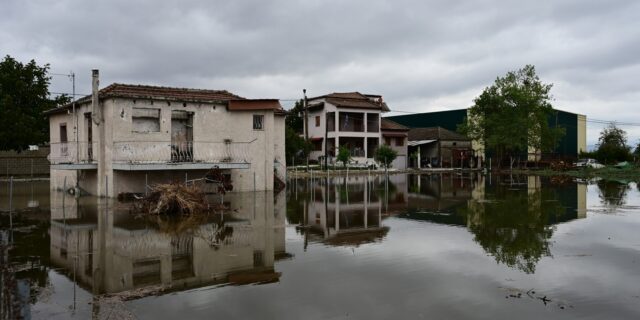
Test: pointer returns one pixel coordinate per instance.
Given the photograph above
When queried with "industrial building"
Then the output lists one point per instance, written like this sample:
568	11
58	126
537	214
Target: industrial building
572	143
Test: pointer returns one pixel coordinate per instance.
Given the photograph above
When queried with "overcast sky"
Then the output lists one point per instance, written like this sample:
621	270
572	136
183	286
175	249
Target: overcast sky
419	55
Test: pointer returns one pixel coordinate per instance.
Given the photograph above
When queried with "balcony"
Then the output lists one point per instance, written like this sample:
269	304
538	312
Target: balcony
72	154
156	155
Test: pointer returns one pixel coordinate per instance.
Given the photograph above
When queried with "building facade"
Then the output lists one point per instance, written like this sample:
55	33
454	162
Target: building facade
439	147
570	145
129	137
350	119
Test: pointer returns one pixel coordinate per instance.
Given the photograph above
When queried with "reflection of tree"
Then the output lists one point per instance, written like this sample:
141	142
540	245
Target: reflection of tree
513	227
612	193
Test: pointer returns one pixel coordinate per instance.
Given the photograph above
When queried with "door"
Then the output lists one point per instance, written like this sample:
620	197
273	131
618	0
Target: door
88	130
181	136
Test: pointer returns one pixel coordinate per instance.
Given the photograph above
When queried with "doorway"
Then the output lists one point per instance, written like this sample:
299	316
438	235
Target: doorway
181	136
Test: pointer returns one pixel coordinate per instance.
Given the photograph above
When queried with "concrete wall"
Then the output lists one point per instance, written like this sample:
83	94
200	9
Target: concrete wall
582	133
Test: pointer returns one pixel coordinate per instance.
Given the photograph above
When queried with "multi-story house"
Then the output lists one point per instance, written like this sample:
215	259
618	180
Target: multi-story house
124	138
348	119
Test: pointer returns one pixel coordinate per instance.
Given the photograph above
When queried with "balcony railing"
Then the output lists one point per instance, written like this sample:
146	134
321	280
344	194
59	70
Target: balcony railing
72	152
167	152
149	152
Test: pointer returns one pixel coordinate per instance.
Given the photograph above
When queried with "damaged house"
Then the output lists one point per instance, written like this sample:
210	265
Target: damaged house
124	138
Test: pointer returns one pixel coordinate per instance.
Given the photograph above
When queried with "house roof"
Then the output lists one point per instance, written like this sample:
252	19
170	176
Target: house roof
353	100
254	104
388	125
119	90
435	133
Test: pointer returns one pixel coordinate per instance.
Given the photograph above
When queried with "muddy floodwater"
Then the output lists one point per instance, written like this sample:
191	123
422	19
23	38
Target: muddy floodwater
449	246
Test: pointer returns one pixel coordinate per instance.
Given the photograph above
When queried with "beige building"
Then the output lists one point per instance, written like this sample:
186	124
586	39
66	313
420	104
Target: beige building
124	138
353	120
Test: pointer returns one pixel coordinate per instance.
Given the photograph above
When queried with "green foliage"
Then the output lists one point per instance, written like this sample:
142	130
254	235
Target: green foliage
385	155
24	96
344	155
612	146
296	148
295	117
513	114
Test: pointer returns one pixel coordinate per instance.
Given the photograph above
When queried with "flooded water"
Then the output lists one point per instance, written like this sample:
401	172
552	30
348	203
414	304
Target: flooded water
444	246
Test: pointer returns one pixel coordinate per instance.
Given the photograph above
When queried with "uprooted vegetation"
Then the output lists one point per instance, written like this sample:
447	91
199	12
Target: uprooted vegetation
175	199
183	199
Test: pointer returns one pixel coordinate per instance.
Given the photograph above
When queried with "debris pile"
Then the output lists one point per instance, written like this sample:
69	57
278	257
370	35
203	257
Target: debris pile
175	199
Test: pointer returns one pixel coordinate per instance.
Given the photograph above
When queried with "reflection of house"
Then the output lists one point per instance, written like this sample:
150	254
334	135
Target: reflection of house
439	147
346	212
117	253
129	135
347	119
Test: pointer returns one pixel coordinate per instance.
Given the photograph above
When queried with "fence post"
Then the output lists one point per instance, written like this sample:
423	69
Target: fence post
11	202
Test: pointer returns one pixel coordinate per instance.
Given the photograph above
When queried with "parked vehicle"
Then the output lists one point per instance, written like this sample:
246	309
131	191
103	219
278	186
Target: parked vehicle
588	163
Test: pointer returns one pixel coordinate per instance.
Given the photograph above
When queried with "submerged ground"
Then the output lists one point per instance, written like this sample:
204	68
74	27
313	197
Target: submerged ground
415	246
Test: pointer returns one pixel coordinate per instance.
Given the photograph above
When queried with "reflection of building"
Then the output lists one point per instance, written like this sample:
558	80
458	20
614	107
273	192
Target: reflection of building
116	252
345	211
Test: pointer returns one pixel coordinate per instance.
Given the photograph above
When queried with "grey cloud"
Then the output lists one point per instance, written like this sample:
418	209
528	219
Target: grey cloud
421	55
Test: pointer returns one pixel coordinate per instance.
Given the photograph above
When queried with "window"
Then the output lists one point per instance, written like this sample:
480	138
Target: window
387	141
317	144
144	120
63	132
258	122
63	140
399	141
317	121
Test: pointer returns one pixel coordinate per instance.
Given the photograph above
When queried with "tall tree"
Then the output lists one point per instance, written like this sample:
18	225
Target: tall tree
24	95
294	119
514	115
612	145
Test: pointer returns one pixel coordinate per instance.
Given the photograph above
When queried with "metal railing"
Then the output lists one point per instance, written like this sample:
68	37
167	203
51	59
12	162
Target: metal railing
153	152
173	152
72	152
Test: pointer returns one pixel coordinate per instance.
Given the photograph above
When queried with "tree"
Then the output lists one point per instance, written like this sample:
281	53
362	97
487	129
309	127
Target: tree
296	148
295	118
385	155
24	96
513	115
612	145
344	155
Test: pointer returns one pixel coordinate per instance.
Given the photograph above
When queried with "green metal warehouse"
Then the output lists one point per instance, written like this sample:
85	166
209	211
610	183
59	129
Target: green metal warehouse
573	142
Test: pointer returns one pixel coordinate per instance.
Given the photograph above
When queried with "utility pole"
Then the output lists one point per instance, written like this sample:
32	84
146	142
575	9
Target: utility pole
326	153
306	124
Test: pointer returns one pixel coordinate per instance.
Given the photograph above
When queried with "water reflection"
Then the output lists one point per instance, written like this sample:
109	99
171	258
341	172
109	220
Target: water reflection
613	193
105	249
511	217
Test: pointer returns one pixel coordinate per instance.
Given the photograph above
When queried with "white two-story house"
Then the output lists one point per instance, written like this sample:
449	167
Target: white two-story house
124	138
349	119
